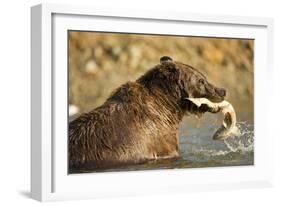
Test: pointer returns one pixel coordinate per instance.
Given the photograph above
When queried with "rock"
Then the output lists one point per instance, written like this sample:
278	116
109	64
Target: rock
72	110
91	67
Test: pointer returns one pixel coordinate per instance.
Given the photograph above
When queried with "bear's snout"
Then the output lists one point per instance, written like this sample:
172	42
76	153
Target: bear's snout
221	92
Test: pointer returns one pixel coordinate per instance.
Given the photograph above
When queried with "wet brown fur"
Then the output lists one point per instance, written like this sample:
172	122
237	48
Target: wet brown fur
139	121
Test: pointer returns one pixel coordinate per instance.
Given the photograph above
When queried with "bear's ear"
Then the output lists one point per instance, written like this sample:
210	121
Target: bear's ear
165	59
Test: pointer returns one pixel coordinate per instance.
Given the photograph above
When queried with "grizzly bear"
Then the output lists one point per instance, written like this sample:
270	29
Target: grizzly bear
140	120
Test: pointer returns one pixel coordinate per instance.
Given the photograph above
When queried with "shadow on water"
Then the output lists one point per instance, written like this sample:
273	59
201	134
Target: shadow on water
198	149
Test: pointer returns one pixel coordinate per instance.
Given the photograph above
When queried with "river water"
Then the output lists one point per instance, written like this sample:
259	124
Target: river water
198	149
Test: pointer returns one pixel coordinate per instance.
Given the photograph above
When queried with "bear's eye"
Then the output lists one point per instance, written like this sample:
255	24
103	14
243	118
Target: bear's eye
201	81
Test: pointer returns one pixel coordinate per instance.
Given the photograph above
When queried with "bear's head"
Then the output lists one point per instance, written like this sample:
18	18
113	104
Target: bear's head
180	81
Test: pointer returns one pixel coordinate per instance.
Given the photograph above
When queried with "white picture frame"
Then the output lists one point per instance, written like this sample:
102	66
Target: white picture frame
49	179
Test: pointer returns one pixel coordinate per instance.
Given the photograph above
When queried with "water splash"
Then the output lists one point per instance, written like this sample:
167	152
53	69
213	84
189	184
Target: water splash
244	142
206	147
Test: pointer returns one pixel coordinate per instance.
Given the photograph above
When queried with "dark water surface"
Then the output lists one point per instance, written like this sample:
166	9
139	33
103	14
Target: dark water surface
198	149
